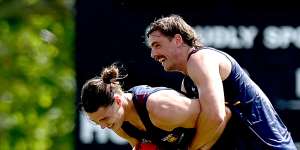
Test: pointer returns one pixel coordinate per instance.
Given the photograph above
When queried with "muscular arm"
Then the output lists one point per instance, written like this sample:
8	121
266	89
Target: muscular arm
169	109
197	145
204	71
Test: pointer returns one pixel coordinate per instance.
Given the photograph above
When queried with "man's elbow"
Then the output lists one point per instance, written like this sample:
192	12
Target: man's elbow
217	118
222	118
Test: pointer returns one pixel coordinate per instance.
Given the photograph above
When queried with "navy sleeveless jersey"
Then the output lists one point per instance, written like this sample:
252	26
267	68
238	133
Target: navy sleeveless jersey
178	139
254	125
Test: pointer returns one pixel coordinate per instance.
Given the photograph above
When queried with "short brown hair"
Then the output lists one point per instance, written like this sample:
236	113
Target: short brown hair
174	24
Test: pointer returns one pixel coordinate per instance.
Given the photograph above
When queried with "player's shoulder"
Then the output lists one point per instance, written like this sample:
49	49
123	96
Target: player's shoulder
162	100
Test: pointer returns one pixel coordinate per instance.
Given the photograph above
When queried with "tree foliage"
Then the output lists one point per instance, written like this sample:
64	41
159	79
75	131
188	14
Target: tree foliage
37	76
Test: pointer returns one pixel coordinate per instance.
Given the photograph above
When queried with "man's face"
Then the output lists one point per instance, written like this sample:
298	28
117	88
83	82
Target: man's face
163	50
107	117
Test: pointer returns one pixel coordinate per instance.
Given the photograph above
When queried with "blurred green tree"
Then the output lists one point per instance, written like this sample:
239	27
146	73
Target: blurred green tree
37	76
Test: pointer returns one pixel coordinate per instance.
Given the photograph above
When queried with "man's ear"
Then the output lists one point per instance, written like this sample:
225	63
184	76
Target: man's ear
117	99
178	39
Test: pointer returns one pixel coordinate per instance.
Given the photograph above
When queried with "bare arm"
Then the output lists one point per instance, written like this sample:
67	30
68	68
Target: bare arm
132	141
204	71
208	145
169	109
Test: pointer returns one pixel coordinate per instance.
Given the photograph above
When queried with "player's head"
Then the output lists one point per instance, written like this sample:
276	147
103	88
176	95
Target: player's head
100	97
172	25
99	91
170	38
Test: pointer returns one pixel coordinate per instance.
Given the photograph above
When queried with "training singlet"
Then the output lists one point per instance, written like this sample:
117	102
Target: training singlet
254	125
178	139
